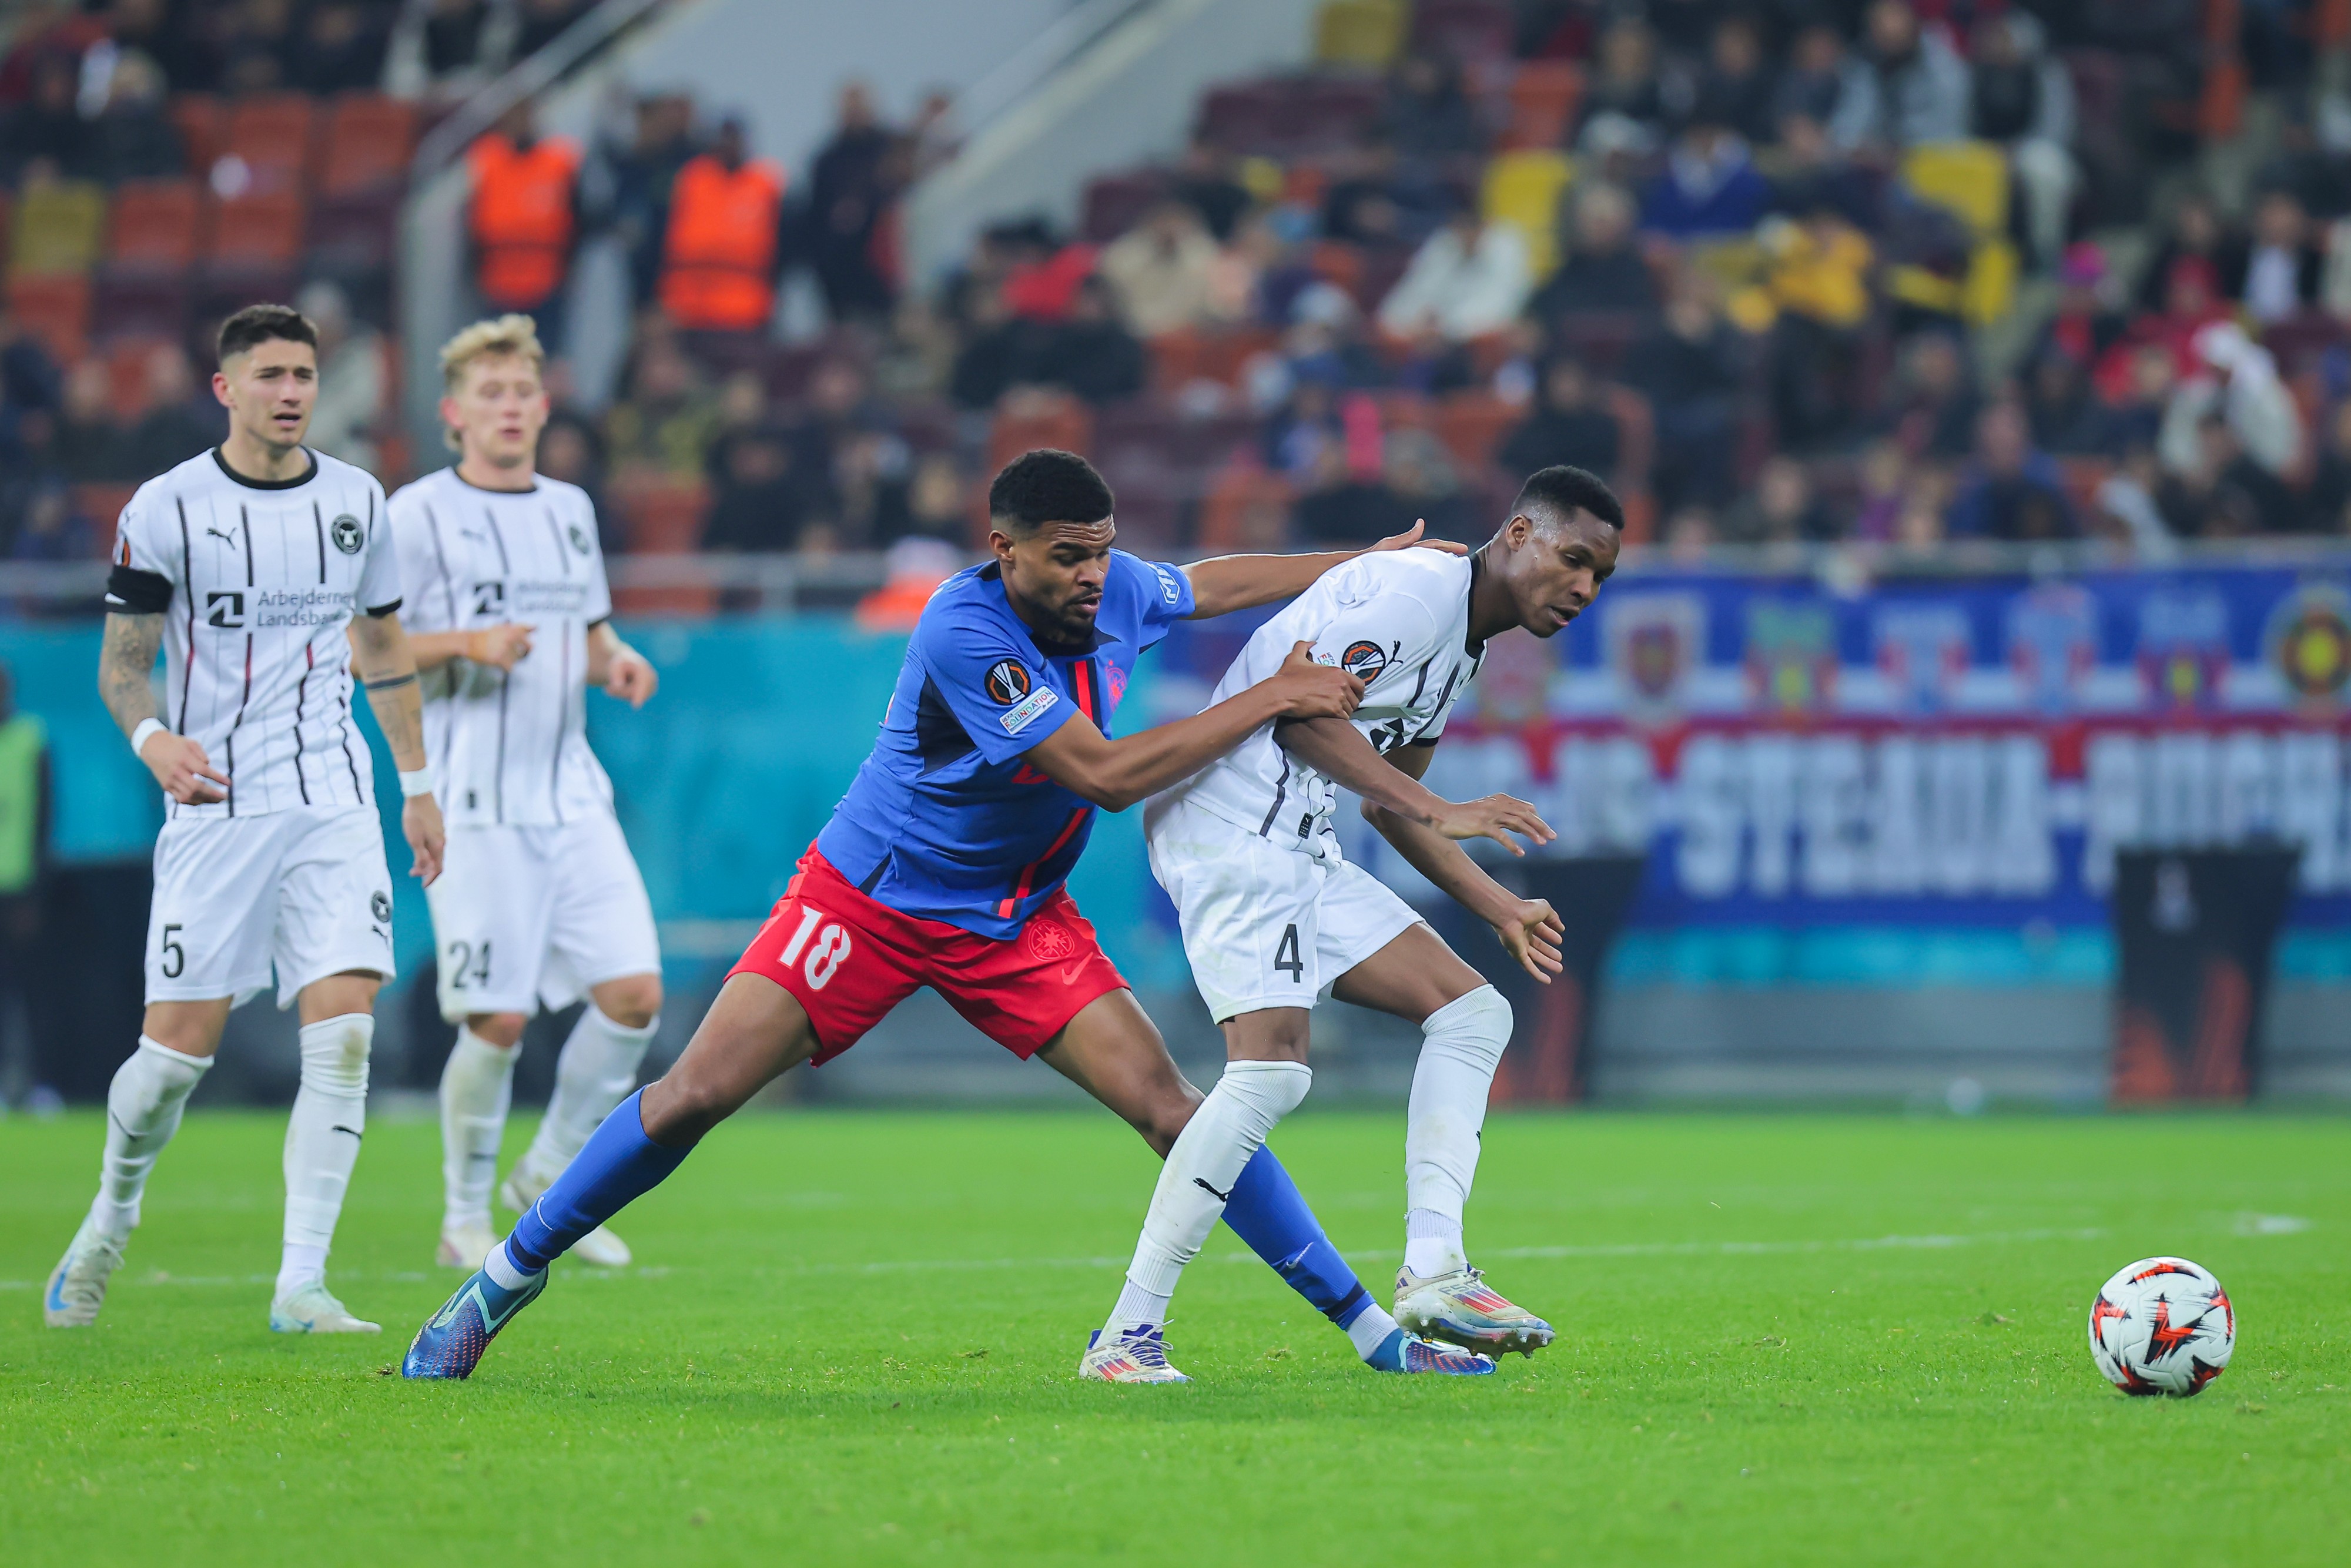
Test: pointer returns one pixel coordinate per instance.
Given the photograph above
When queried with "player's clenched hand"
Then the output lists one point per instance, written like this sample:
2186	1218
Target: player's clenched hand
1532	933
1309	690
631	677
1410	538
1494	817
501	647
180	766
420	822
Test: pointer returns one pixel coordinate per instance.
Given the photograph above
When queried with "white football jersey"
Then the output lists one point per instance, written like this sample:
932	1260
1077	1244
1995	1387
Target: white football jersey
263	578
510	748
1398	618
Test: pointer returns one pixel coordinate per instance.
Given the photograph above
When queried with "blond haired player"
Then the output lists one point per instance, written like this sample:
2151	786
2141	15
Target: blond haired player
541	902
264	572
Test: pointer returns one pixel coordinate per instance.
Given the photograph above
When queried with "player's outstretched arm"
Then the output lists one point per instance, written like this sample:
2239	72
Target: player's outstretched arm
1340	752
1225	583
620	670
381	655
1115	774
126	668
1528	927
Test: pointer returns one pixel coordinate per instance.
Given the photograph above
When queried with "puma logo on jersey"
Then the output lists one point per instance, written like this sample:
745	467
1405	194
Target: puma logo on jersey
224	539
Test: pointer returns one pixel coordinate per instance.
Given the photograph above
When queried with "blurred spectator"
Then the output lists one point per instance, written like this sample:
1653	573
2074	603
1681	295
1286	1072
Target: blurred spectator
180	420
639	175
2065	416
848	187
1780	509
1420	474
723	248
934	499
90	441
541	22
1350	502
2191	303
1824	83
1429	116
46	126
1163	270
2133	412
48	527
1369	203
447	48
1918	86
1626	82
257	48
28	380
2084	325
991	355
836	414
757	507
2195	230
2285	262
570	450
341	49
1736	86
1204	179
1470	277
1690	532
2010	491
174	38
1935	398
1815	285
1602	271
1710	185
663	424
2326	506
1690	370
1809	174
2022	99
2235	380
133	138
33	470
2221	491
1090	352
1568	426
354	376
1885	477
523	218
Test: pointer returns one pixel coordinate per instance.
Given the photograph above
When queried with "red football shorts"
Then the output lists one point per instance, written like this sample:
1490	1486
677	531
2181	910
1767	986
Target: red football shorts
849	960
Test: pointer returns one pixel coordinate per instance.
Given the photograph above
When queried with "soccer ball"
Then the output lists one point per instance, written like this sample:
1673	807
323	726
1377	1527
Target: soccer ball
2163	1325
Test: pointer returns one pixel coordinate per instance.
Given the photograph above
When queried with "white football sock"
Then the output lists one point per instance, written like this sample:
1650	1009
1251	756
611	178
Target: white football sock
477	1088
1462	1044
1371	1330
142	1111
1228	1129
596	1072
322	1141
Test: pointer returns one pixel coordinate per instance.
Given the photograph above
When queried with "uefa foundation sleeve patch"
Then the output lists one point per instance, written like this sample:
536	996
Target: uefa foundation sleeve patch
1018	717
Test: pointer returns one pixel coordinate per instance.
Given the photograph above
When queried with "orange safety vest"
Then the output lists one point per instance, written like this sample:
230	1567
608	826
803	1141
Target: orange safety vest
718	259
521	217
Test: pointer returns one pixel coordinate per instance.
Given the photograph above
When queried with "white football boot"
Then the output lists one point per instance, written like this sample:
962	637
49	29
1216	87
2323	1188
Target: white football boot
312	1310
465	1244
1138	1356
1461	1308
76	1286
600	1247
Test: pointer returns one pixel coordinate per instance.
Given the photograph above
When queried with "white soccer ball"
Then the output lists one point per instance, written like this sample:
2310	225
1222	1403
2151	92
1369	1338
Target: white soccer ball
2163	1325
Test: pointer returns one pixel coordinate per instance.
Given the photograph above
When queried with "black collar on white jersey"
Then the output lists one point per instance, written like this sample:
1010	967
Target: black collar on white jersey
1468	600
530	489
294	483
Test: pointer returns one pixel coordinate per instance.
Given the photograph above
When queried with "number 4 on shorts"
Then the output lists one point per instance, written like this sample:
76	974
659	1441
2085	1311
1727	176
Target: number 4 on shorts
1286	954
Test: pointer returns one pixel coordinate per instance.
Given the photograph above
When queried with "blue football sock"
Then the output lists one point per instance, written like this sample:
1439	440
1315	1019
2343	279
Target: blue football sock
1267	1211
618	1165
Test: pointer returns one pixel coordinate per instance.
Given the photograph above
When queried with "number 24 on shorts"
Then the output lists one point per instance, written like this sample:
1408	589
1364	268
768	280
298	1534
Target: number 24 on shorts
824	956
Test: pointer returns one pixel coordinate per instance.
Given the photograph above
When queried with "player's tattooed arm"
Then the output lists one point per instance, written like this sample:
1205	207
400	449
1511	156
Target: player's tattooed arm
1528	927
126	681
386	667
1115	774
1225	583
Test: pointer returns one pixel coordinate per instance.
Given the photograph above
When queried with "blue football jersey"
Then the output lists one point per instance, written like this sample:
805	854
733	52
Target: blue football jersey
945	822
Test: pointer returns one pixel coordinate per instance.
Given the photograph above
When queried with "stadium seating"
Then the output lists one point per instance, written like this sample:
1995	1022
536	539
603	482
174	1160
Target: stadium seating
368	142
274	135
58	228
1466	30
1544	95
55	308
1523	189
1362	35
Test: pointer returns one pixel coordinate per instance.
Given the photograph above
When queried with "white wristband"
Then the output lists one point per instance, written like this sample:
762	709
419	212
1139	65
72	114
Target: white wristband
417	783
146	727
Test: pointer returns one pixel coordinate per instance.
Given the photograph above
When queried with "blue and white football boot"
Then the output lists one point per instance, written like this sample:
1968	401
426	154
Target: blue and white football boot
452	1341
1138	1356
1404	1351
76	1286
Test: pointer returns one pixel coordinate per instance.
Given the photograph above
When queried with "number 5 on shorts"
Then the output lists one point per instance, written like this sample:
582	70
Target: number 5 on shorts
824	957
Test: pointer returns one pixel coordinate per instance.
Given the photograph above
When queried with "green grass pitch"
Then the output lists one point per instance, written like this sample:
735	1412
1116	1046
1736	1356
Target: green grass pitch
851	1339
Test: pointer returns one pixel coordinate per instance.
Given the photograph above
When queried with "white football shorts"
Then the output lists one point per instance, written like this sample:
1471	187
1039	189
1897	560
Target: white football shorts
526	917
1264	926
305	890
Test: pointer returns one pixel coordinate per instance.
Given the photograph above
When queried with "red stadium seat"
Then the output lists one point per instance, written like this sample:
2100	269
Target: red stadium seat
1472	425
202	127
275	134
157	225
257	230
55	308
370	137
102	505
1543	97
